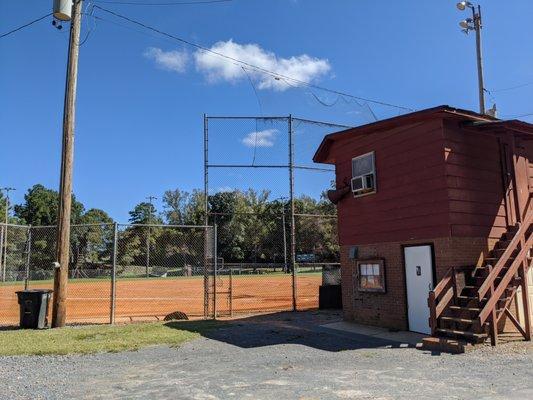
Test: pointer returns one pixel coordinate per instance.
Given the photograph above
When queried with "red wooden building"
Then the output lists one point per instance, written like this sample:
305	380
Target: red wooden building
434	223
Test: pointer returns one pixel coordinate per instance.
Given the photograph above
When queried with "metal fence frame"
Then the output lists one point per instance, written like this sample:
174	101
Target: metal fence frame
290	166
28	269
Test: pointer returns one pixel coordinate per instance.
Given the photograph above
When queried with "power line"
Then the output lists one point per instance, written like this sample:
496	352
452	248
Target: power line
25	25
241	63
256	133
513	87
514	116
172	3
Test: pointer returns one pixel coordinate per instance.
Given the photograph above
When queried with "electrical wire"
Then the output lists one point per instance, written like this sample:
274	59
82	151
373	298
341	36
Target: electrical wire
260	110
171	3
24	26
339	97
518	116
513	87
92	28
275	75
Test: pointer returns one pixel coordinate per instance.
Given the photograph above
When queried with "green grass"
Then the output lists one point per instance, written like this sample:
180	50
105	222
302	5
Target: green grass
101	338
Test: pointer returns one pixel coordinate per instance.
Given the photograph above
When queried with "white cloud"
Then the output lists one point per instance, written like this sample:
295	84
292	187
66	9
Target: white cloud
303	67
264	138
170	60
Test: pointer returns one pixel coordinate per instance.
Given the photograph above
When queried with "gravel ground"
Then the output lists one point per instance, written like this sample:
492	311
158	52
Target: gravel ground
283	356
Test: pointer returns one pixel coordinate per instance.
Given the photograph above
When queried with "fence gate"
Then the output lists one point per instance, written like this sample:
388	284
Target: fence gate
218	280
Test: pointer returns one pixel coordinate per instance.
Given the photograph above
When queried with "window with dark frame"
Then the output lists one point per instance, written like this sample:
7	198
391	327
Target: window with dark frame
370	276
363	174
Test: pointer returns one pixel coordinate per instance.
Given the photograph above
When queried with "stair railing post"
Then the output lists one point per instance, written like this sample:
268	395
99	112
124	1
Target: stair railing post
522	273
454	286
493	323
432	302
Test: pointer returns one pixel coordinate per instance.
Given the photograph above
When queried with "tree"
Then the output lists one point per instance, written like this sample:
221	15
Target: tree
41	206
144	213
3	204
91	242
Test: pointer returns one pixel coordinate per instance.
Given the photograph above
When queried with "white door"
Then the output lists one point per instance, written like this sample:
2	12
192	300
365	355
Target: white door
419	279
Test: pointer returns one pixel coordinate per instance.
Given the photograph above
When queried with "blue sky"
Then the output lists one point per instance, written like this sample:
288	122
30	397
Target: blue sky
141	97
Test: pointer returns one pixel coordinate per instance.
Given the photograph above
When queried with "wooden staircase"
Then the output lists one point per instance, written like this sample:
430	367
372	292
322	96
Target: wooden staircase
468	303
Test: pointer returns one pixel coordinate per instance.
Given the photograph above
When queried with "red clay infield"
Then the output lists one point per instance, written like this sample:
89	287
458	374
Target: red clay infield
137	299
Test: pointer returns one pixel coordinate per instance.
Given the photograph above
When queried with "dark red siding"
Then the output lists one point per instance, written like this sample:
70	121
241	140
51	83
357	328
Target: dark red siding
412	194
474	179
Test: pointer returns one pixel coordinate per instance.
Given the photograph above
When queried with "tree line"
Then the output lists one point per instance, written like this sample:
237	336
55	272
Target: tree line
252	228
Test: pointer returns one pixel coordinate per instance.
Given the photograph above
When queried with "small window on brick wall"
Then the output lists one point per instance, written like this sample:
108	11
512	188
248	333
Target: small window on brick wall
370	276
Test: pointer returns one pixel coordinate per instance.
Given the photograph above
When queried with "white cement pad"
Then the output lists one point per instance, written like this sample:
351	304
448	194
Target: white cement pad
405	338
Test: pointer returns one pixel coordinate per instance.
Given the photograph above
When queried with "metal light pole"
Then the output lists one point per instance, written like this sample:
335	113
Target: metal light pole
150	199
3	242
475	24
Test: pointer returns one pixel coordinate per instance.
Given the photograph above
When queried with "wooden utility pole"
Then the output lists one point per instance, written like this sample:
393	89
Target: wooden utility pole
67	158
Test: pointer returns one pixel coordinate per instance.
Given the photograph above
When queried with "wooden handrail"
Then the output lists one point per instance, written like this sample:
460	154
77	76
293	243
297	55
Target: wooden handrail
512	247
502	286
446	280
443	294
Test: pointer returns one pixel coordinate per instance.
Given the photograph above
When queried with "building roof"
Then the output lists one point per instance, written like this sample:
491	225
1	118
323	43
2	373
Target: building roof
477	122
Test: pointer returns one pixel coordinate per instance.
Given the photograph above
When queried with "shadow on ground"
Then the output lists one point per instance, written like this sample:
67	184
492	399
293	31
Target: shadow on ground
303	328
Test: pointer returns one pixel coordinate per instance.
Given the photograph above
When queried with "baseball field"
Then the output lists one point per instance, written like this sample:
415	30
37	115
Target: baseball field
89	300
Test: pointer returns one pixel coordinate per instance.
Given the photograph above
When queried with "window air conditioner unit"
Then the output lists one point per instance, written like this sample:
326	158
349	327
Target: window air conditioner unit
363	184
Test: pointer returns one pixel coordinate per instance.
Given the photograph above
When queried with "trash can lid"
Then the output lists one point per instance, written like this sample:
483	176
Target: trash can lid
35	291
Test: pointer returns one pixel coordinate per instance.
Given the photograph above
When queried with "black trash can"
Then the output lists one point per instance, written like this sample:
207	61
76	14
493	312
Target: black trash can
34	308
330	297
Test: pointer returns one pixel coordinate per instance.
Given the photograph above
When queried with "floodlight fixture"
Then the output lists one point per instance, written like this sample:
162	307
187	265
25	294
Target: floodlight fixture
462	5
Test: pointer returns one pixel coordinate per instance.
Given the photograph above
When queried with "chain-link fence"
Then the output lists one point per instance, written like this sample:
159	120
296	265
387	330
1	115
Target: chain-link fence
13	269
276	230
161	270
254	269
116	272
123	273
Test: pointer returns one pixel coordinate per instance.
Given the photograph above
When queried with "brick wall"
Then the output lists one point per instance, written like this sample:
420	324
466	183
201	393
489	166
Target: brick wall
389	309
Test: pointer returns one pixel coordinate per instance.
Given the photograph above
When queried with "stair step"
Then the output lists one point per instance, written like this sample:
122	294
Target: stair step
466	334
494	260
471	298
447	345
469	309
503	244
457	319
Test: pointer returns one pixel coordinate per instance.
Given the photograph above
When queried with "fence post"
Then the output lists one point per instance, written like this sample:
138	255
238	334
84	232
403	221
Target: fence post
113	275
293	228
215	266
231	292
28	255
2	251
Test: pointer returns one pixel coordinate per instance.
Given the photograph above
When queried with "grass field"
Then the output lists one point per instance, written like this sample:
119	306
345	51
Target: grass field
102	338
89	300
